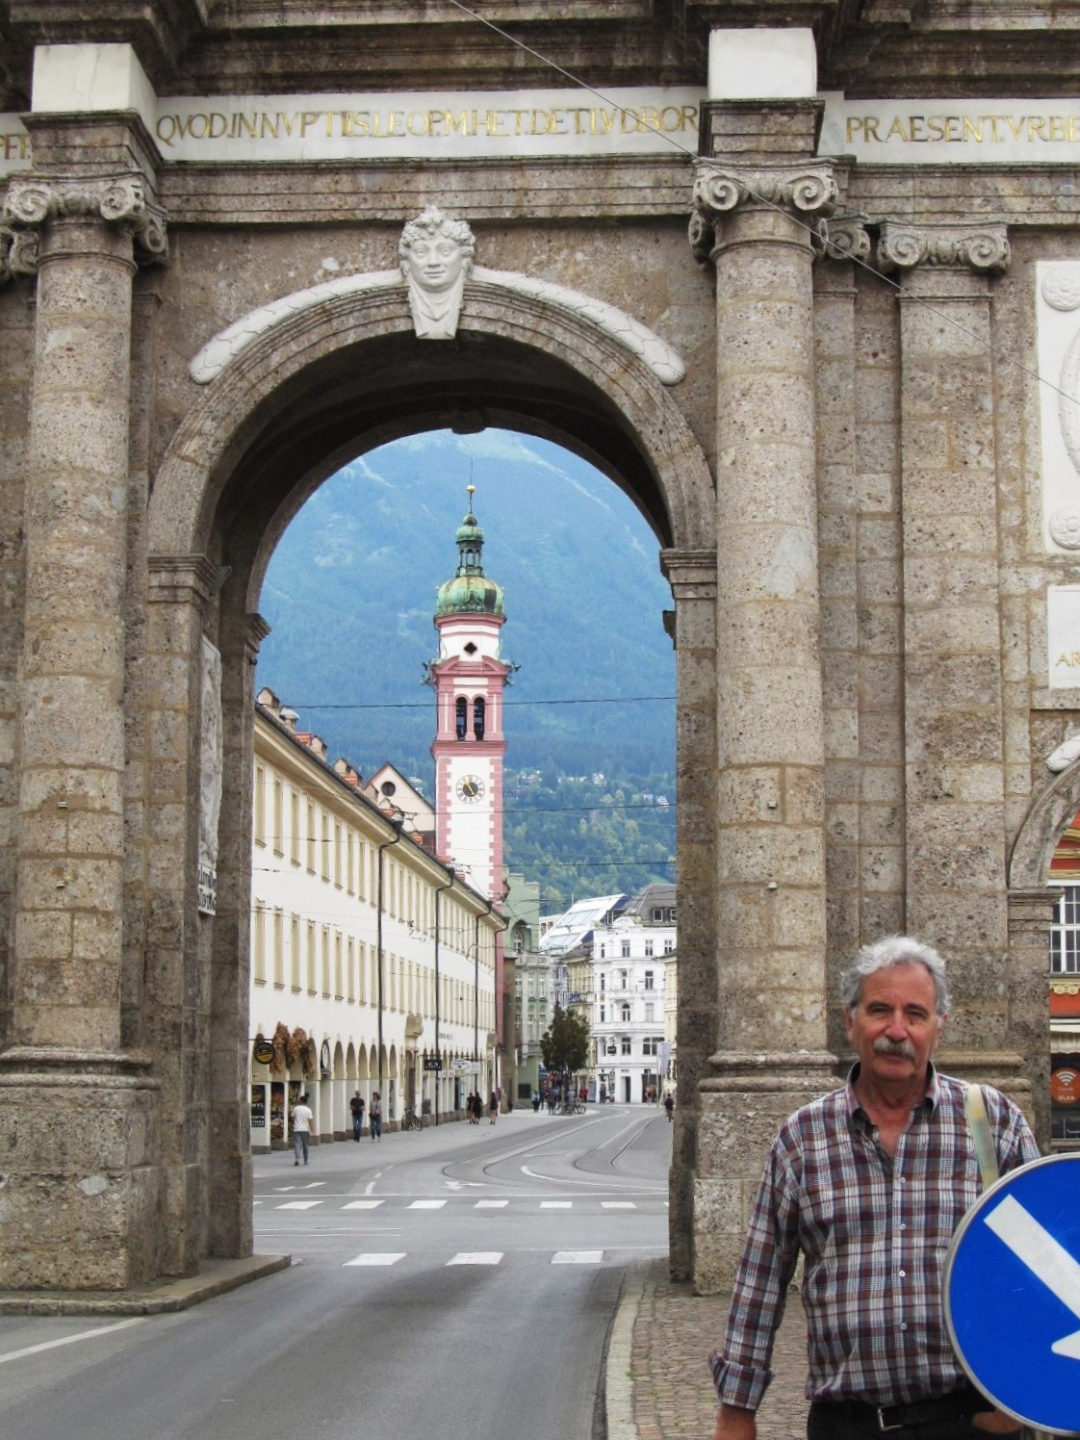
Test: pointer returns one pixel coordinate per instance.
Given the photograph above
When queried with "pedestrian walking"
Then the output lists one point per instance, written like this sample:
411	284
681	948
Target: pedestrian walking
356	1105
375	1116
868	1183
669	1105
493	1108
303	1127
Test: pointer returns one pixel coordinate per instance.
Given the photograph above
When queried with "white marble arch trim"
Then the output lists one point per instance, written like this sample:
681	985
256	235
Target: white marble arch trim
661	358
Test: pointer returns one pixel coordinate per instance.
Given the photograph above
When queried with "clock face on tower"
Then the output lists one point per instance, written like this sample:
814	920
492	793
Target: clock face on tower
470	789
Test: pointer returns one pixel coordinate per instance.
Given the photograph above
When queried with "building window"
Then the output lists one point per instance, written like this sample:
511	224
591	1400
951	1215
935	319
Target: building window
624	979
650	980
669	947
648	947
650	1011
603	978
479	715
461	718
294	827
278	838
260	805
625	1011
651	1045
624	950
1065	933
624	1044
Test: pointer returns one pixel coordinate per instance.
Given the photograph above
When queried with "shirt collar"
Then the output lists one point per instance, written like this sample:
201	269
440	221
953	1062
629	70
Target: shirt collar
931	1099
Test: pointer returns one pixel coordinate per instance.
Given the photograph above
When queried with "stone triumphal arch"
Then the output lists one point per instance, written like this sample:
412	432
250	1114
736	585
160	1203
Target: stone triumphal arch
821	330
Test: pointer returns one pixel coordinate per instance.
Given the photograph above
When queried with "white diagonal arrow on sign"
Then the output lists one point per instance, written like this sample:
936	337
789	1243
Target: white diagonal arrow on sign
1045	1257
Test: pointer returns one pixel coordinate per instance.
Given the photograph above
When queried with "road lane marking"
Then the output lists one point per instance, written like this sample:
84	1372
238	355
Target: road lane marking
476	1257
577	1257
491	1204
362	1205
71	1339
298	1205
380	1258
425	1204
556	1204
618	1205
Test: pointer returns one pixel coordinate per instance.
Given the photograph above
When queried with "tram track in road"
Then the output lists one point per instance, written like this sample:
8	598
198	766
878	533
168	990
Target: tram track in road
464	1171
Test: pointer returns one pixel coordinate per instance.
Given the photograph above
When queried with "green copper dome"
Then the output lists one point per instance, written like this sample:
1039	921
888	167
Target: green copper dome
470	592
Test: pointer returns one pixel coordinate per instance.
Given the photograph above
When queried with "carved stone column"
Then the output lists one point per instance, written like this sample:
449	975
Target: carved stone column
86	1196
756	225
955	883
692	575
850	678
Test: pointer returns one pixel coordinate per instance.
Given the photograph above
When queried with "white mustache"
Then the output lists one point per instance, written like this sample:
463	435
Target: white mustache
884	1046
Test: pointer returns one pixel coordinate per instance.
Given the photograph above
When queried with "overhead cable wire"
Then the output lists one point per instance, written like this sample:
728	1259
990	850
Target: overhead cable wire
817	232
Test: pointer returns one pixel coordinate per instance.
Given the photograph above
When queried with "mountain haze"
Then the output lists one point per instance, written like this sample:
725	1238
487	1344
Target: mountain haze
350	596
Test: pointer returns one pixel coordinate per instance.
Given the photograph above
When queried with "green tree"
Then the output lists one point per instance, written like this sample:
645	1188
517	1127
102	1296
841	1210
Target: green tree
565	1044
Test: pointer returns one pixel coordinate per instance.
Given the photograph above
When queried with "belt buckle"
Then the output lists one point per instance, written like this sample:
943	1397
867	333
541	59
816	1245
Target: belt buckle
882	1426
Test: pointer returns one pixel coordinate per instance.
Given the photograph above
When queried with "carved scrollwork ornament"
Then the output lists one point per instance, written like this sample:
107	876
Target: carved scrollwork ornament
801	190
18	253
844	238
902	247
120	200
701	235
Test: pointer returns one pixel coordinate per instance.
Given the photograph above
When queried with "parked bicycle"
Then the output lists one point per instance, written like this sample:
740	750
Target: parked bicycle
412	1120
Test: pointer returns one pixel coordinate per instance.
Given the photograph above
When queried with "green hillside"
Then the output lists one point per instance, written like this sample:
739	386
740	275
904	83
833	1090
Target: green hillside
350	595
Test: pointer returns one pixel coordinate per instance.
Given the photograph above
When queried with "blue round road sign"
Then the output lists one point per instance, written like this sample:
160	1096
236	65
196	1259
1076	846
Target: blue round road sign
1012	1293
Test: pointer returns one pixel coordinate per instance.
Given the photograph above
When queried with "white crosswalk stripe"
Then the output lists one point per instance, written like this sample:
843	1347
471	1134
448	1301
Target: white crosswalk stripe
426	1204
556	1204
299	1205
491	1204
362	1205
618	1205
475	1257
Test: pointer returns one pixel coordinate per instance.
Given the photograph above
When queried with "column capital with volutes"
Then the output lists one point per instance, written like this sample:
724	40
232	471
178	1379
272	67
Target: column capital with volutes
976	249
803	191
125	201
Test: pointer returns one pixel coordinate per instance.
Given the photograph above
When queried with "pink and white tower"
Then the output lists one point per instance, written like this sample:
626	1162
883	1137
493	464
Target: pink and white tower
470	678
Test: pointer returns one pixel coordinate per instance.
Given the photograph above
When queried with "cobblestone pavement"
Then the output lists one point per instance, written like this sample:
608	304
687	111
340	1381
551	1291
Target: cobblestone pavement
671	1394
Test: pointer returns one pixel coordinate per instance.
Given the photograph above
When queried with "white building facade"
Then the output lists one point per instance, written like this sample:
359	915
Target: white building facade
630	960
372	964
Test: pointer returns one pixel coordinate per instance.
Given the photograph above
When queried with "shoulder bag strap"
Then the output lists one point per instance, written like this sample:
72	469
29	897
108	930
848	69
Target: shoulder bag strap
975	1109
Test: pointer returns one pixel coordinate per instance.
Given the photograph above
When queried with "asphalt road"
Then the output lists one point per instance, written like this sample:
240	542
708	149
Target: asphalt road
457	1282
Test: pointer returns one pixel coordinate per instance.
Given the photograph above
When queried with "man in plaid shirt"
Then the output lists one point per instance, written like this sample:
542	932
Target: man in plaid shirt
869	1183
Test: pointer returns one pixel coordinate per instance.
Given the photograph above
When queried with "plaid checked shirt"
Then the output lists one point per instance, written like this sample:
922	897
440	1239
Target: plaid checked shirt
875	1230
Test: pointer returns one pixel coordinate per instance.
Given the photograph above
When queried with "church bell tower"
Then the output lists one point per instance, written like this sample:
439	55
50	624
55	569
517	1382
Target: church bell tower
470	679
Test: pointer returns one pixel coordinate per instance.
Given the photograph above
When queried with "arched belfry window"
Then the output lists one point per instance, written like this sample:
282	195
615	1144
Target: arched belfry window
478	717
462	720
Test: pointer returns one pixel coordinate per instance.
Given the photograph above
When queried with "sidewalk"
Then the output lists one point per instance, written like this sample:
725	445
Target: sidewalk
658	1384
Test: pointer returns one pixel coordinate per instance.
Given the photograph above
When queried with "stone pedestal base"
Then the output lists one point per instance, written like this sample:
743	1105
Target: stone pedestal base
744	1101
79	1204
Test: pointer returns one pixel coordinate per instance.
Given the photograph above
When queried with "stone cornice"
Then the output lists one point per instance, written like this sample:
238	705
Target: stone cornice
32	202
803	191
983	249
178	579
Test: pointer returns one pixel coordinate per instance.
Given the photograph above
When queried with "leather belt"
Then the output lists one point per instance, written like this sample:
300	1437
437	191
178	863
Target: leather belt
941	1408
